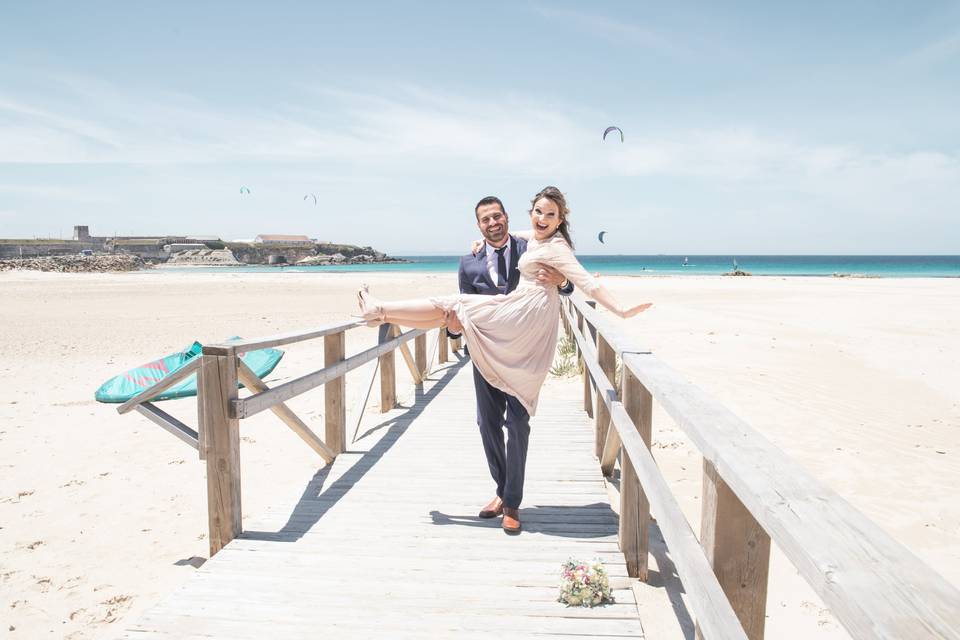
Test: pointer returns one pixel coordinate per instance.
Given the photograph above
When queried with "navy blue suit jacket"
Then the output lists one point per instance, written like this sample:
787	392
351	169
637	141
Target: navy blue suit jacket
475	278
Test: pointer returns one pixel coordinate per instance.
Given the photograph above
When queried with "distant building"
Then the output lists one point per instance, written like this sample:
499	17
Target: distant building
281	239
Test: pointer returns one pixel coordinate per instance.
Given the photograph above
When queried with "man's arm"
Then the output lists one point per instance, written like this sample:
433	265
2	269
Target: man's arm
549	275
465	287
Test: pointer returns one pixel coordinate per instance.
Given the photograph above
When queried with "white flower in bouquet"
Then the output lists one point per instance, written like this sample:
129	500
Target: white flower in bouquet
584	584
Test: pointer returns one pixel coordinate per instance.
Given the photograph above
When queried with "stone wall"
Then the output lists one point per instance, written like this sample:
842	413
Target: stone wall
29	249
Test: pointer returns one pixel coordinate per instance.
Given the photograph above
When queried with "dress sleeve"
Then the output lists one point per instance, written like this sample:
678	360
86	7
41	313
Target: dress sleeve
558	255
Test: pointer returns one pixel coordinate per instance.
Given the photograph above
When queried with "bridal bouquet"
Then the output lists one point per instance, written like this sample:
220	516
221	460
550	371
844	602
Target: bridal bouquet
584	584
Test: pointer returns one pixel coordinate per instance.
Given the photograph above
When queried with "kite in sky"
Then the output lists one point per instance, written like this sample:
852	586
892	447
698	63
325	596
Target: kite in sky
311	195
600	236
244	190
609	129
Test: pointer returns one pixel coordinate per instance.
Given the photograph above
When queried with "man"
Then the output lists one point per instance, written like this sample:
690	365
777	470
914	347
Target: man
492	270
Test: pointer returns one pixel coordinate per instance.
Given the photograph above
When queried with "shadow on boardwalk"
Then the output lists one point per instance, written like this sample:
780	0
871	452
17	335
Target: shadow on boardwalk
567	521
316	500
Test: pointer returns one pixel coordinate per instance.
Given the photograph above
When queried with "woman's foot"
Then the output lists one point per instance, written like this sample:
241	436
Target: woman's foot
370	309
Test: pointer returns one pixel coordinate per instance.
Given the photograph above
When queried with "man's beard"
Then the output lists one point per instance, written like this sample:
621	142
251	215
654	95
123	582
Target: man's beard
495	238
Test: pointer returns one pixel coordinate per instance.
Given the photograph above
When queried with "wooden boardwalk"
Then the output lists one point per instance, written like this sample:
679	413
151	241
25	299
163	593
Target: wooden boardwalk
386	543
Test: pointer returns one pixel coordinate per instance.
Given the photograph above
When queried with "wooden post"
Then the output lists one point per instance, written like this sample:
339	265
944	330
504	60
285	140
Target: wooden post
420	355
335	399
738	550
442	339
587	397
607	358
634	507
457	343
222	442
388	372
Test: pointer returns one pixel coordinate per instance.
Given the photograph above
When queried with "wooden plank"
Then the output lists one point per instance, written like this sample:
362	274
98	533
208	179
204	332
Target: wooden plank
420	356
587	395
335	409
152	392
442	344
290	337
251	381
411	363
281	393
608	364
634	532
388	371
611	449
223	449
162	418
738	550
876	587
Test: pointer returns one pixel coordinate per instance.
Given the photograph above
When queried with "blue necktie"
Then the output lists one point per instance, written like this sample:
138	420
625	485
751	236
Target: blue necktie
501	267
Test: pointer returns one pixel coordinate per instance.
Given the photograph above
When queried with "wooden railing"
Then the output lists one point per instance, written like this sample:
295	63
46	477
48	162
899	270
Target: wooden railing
752	493
220	407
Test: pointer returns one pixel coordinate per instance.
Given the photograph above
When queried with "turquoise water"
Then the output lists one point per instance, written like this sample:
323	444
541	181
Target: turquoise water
881	266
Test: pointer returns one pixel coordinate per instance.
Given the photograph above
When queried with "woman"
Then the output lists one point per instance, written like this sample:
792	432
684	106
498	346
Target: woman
512	337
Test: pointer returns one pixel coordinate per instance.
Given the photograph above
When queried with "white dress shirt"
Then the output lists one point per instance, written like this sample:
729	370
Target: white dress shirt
492	262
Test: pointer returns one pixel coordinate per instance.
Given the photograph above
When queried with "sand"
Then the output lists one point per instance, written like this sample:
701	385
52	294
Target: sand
101	514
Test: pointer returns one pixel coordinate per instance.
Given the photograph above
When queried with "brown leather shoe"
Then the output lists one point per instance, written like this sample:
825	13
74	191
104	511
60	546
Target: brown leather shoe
492	509
511	520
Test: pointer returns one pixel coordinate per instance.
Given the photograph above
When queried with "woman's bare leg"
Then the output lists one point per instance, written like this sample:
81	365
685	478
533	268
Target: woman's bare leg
418	324
418	313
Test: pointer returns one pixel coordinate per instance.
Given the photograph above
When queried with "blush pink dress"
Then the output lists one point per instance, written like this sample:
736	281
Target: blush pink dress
513	338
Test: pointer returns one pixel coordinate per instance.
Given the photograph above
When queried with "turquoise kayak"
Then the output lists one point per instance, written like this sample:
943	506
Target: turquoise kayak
130	383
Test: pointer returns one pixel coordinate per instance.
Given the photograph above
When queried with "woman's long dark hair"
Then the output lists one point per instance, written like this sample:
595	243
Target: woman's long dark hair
556	197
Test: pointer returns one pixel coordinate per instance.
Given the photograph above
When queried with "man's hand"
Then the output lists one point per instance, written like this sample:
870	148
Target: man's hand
549	276
453	323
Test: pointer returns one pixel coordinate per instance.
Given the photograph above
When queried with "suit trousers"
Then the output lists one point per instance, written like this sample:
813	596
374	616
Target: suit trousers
496	412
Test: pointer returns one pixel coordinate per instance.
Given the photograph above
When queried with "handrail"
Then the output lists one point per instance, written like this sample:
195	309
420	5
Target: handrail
714	615
873	585
246	407
153	391
280	339
251	344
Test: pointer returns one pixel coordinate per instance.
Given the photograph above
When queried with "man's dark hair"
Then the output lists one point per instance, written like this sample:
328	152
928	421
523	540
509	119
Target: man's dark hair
486	201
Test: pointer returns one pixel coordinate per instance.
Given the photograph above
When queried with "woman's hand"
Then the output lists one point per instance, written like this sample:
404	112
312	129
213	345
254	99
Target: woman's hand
476	246
632	311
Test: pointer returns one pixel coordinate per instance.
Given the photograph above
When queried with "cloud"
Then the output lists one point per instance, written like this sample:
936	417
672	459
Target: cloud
935	52
617	31
410	131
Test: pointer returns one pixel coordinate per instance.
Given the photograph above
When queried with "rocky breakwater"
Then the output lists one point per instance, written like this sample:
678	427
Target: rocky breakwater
339	258
206	257
76	264
320	253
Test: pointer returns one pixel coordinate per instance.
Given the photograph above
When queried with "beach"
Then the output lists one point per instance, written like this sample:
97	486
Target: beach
101	514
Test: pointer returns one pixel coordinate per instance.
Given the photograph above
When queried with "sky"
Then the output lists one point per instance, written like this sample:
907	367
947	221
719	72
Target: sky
749	128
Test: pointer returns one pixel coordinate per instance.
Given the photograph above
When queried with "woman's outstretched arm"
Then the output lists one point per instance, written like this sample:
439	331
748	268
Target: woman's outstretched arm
560	257
602	295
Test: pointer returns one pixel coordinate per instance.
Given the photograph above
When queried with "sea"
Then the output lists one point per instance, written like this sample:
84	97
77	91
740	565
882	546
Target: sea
674	265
